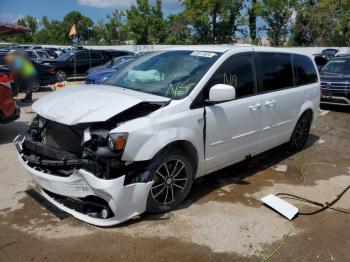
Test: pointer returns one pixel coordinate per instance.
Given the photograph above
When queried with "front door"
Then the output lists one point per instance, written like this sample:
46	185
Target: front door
232	128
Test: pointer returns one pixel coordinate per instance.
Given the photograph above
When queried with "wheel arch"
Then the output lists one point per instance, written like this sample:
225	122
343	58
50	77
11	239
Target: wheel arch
306	107
182	146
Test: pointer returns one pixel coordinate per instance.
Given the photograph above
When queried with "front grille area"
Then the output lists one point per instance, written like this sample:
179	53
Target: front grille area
335	86
64	137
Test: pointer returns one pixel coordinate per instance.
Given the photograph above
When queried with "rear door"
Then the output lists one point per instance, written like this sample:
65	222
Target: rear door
280	99
96	58
232	127
80	63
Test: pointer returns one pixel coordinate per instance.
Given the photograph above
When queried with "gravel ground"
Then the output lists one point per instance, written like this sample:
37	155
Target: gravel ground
222	220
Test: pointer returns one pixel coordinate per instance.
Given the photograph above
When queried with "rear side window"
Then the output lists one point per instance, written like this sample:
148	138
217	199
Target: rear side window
305	72
95	55
274	71
82	56
235	71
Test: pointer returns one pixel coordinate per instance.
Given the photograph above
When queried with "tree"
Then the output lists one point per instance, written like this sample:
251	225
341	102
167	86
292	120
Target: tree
213	21
277	15
156	30
29	37
252	14
341	33
177	31
83	25
51	33
99	32
113	31
145	23
322	23
137	21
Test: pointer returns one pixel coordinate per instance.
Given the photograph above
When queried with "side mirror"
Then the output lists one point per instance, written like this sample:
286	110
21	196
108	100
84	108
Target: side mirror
222	93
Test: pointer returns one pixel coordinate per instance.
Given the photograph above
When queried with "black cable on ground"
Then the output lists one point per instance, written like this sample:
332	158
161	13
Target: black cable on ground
323	206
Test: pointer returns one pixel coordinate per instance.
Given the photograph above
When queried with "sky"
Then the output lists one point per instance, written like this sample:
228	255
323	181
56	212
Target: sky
12	10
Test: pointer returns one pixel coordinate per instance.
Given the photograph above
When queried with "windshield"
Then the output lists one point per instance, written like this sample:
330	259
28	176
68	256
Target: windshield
122	63
337	66
64	56
171	74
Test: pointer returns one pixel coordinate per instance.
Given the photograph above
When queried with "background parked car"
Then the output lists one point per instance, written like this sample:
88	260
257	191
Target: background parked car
9	110
110	63
335	82
101	74
329	52
118	53
37	55
320	61
76	63
53	52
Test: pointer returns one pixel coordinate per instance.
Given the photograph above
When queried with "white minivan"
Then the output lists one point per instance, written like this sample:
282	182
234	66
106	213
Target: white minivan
106	153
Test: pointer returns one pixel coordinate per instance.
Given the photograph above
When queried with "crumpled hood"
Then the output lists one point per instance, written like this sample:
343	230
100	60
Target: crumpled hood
89	103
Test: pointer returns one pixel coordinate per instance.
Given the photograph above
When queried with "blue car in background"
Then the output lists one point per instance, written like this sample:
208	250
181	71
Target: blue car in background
100	74
109	64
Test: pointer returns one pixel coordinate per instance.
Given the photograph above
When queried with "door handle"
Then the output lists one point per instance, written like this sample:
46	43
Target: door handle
254	107
270	103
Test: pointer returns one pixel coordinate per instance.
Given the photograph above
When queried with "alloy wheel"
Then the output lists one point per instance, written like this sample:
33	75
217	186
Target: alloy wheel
301	132
170	180
61	76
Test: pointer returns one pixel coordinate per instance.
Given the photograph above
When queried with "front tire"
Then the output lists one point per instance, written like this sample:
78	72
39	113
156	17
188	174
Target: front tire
172	177
301	132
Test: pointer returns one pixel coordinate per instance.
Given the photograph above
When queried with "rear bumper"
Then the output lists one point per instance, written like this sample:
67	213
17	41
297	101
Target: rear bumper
124	201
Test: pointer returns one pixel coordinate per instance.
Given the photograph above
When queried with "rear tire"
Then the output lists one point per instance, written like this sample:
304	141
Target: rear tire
61	76
172	176
301	132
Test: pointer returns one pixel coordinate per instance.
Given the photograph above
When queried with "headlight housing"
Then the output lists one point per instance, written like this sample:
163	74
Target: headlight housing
117	141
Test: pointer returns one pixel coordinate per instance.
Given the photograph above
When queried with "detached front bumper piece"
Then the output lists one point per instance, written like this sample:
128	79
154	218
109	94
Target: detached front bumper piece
117	202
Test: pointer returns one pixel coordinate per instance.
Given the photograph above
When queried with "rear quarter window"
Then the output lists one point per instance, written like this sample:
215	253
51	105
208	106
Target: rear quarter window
305	72
274	71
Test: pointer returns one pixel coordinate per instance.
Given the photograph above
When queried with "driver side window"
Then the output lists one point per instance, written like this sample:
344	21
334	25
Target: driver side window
236	71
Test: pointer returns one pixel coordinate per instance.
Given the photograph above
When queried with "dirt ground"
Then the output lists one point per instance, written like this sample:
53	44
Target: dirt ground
222	220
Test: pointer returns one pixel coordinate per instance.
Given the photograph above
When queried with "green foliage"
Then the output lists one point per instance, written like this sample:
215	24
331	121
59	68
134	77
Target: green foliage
177	31
285	22
322	23
277	15
145	23
213	21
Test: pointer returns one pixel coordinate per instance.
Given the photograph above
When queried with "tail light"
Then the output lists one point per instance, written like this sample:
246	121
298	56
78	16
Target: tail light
5	81
51	70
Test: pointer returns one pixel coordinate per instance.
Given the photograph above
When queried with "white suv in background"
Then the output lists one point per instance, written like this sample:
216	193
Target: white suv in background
105	153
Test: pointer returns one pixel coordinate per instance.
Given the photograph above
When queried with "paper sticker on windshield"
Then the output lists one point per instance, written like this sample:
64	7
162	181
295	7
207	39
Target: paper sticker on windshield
203	54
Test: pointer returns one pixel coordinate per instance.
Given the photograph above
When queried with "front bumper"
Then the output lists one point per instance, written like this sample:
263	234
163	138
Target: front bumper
124	201
335	100
340	97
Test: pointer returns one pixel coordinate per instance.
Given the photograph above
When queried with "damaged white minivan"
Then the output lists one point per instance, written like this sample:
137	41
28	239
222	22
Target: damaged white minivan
106	153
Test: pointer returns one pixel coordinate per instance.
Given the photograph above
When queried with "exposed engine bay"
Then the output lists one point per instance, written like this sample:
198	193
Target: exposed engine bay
63	148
